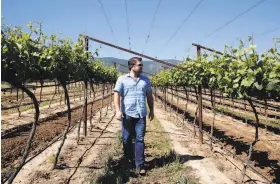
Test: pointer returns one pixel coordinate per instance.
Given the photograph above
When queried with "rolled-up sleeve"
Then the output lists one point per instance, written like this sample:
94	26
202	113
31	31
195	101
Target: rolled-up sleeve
119	85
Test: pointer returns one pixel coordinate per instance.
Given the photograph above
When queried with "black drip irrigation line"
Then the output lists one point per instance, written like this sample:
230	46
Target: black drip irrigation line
7	133
270	128
273	107
45	86
26	104
236	102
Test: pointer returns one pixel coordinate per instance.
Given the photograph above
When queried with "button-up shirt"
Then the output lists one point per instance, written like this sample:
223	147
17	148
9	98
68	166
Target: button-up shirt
133	94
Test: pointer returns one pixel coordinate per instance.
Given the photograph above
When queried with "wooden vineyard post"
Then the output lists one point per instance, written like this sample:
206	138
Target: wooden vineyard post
165	103
112	96
199	104
85	111
102	101
112	88
213	98
41	83
186	108
85	95
17	94
170	110
155	92
80	90
89	93
200	114
22	93
177	103
115	65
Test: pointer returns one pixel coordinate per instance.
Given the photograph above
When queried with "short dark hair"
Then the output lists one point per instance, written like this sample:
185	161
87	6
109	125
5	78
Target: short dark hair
132	61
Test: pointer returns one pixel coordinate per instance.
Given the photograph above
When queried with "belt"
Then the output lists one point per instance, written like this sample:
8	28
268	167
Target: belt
137	116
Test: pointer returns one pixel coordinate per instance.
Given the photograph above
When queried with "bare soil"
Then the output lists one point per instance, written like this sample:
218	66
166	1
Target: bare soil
78	162
14	144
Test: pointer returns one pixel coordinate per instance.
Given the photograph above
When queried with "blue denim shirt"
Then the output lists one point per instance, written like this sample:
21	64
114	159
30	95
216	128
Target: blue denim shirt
133	94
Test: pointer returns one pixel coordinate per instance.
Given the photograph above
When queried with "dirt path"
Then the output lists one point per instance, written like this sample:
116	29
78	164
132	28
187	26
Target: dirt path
162	163
238	137
208	167
78	161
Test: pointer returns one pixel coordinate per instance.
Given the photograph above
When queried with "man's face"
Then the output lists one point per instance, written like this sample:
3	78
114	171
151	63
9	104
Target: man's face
138	67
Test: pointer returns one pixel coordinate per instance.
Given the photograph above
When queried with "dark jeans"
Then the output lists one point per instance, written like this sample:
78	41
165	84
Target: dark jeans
134	127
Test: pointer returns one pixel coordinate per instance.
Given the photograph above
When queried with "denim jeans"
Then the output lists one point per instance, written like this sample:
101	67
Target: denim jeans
134	128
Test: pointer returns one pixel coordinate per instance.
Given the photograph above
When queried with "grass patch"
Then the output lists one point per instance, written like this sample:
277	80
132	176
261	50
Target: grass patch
157	140
162	163
52	158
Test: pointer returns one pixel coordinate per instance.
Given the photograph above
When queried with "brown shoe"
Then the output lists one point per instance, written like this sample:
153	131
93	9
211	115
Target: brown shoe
141	171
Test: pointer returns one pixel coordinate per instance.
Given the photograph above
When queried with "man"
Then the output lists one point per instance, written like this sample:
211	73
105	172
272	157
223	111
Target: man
132	89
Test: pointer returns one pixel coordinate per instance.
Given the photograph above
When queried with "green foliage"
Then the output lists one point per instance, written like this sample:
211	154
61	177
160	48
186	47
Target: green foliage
29	56
240	74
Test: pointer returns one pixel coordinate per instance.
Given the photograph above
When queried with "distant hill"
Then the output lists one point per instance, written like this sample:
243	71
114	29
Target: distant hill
149	66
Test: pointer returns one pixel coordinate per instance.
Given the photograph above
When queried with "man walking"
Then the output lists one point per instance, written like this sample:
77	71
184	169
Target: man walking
131	90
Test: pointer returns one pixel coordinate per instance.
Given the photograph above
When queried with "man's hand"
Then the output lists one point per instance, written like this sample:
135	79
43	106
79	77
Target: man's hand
151	115
119	115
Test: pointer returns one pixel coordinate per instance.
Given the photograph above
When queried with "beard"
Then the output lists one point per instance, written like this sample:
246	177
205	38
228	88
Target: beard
138	71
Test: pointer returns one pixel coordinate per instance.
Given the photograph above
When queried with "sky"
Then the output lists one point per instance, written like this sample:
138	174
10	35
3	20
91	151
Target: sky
69	18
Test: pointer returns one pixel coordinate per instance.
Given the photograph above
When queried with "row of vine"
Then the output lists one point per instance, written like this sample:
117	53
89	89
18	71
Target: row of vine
34	56
240	73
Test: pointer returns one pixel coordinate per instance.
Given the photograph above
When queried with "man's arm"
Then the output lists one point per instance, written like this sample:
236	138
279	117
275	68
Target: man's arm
150	101
117	98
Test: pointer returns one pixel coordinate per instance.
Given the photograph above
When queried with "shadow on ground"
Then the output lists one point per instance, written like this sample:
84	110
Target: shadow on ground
117	173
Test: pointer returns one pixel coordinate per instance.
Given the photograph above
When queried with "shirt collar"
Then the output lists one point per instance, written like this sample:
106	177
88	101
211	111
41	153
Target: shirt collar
128	75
